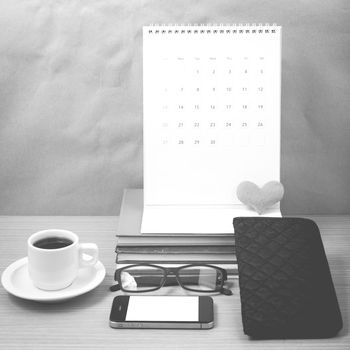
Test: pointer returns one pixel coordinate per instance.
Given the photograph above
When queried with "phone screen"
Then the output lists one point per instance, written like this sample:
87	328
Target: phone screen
160	308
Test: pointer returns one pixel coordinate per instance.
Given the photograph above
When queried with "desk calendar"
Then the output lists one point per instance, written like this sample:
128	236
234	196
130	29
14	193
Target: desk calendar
211	120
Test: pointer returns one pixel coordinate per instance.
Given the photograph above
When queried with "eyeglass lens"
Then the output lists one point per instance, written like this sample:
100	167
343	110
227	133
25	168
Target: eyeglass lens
200	278
141	278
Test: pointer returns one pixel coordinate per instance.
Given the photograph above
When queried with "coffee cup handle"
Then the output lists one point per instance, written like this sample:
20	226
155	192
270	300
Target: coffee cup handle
90	249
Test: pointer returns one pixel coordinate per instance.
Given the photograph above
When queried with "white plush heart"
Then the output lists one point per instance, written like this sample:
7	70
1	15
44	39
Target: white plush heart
258	198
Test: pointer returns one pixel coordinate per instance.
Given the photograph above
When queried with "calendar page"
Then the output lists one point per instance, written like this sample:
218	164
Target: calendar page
211	120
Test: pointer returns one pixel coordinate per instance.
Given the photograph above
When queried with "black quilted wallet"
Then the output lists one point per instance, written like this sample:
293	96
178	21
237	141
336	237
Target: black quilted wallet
285	283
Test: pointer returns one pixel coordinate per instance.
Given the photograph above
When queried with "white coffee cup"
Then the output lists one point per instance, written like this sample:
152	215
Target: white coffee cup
54	269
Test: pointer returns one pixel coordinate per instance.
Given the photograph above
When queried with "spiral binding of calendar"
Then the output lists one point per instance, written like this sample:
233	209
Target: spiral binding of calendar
212	28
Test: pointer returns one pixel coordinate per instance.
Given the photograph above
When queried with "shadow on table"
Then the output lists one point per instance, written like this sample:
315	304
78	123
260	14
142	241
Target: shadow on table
340	280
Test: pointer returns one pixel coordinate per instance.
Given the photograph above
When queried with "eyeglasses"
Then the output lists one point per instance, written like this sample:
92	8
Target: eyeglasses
147	278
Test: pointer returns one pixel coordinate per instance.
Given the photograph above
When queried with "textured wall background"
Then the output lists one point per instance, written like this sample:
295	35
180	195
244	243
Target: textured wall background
71	99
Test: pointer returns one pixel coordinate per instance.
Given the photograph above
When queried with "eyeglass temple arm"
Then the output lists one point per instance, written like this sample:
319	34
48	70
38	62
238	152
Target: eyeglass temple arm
114	288
223	290
226	291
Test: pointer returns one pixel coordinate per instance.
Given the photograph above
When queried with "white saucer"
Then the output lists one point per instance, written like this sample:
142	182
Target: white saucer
15	279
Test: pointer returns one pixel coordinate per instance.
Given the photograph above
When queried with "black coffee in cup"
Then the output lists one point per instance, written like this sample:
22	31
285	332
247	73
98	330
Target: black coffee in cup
52	243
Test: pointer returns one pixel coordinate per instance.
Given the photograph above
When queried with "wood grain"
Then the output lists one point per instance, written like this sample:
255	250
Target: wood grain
82	323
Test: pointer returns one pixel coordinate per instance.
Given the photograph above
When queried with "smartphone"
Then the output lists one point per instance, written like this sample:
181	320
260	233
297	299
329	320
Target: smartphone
192	312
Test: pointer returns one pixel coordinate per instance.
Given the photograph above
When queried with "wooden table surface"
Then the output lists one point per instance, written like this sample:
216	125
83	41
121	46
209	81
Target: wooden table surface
82	323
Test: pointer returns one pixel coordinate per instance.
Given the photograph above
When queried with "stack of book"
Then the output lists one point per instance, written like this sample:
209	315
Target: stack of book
168	250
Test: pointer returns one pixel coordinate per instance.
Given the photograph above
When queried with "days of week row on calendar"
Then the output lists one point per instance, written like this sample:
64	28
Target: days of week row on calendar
213	69
244	60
